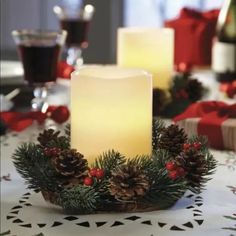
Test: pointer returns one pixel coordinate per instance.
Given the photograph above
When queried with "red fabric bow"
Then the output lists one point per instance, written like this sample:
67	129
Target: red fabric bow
212	115
19	121
195	30
64	70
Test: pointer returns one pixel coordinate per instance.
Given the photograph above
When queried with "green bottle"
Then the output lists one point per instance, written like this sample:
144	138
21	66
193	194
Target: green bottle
224	49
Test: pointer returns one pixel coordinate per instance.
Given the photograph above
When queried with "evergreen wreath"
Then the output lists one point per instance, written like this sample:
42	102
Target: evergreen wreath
115	182
184	90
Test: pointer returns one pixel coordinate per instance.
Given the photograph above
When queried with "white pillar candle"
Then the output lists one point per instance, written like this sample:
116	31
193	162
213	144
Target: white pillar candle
111	108
148	48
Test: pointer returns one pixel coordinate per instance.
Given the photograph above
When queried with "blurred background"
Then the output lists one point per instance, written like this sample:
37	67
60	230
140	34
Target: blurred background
109	15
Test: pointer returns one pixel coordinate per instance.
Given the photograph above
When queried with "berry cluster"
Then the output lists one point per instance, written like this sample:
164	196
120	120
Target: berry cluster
182	94
196	145
94	173
174	171
50	152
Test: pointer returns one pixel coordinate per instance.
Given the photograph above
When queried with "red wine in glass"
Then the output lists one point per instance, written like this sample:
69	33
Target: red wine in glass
39	52
77	32
39	62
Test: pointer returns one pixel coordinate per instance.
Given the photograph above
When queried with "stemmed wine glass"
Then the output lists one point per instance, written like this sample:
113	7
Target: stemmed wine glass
75	20
39	51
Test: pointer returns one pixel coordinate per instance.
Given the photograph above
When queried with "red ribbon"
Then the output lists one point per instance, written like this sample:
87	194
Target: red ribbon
19	121
212	115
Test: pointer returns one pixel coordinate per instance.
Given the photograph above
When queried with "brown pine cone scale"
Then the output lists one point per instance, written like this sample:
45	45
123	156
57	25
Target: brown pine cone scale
70	163
172	139
128	183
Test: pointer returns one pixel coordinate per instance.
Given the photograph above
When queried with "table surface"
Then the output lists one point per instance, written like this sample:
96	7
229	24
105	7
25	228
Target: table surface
211	213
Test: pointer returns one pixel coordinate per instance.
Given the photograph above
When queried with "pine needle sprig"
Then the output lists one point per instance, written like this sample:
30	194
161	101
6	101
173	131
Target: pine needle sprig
83	199
211	165
209	169
67	131
108	161
160	157
144	162
165	191
158	126
33	166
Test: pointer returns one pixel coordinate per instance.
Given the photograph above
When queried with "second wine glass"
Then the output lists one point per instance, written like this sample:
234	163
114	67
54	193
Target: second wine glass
76	22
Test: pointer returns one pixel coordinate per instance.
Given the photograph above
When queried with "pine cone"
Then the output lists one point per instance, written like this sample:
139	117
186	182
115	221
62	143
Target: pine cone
195	165
70	163
47	136
128	183
194	89
172	139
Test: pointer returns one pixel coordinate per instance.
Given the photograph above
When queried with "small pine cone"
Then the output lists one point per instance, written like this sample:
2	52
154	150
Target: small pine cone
47	136
172	139
128	183
195	165
194	89
70	163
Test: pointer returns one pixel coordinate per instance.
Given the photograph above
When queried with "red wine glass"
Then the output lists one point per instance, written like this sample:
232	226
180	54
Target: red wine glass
76	22
39	51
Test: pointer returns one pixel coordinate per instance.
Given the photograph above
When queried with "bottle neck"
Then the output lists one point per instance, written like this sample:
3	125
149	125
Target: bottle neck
226	25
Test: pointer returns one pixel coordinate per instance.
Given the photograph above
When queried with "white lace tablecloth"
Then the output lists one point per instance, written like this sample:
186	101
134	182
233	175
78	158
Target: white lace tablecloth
25	213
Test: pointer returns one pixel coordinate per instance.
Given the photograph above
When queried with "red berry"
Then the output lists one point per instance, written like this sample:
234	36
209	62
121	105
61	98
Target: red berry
186	146
183	94
173	174
197	145
180	171
55	151
100	173
88	181
47	151
171	165
93	172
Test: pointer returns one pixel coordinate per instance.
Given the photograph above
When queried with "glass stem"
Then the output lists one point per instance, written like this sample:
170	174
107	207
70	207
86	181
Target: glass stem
39	103
74	56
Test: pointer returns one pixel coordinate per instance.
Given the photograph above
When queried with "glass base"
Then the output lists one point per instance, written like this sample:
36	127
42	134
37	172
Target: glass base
74	57
39	103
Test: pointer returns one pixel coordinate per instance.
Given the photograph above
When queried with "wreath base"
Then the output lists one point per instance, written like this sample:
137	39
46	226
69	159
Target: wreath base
128	207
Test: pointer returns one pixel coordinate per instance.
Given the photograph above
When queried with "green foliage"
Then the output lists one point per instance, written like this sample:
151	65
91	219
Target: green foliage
157	127
175	108
179	81
108	161
200	139
32	164
79	200
211	163
144	162
67	131
209	170
160	157
34	167
165	191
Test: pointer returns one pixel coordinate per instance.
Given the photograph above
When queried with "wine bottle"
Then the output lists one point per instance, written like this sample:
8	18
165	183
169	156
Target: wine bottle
224	49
